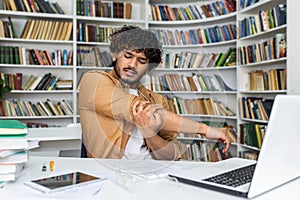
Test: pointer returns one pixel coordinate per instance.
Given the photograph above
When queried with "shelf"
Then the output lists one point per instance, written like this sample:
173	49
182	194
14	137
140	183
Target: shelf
263	92
36	41
230	42
158	69
254	6
36	66
201	139
209	116
250	147
270	31
93	68
265	62
170	1
37	117
193	22
255	120
93	43
196	92
21	15
192	138
41	91
109	21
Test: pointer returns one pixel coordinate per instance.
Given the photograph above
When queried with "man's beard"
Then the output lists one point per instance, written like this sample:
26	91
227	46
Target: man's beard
117	70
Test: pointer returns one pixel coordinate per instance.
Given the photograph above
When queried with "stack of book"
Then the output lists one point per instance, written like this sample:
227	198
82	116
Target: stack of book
13	149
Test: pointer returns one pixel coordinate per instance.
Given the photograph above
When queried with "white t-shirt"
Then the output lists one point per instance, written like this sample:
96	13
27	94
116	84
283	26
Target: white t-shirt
136	148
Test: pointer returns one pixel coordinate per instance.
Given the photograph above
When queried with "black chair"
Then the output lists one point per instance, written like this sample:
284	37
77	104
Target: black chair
83	151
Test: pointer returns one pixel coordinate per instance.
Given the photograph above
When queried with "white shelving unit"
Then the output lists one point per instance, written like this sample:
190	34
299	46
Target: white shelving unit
228	73
266	65
64	72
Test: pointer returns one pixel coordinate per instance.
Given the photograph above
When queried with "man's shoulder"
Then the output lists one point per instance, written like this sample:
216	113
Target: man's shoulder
94	77
99	73
95	72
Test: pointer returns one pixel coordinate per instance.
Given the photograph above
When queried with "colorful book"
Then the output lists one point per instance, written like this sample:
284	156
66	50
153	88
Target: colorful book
12	127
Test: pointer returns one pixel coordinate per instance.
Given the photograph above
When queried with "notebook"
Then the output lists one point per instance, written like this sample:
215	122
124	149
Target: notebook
278	161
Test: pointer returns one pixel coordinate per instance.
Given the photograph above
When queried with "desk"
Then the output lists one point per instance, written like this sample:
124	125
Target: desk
162	188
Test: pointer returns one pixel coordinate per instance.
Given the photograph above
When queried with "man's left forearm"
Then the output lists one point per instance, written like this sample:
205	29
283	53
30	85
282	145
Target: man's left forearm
161	149
177	123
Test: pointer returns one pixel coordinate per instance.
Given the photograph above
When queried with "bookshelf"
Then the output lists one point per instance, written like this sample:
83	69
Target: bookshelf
262	68
39	39
196	58
187	53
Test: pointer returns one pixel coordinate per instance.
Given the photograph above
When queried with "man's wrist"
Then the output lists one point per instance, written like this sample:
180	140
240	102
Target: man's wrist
213	133
147	132
203	129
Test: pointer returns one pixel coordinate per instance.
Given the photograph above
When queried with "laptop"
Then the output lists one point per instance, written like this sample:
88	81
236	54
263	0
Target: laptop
278	161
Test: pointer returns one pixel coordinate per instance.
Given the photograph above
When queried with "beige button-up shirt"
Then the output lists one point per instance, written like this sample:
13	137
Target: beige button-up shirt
106	114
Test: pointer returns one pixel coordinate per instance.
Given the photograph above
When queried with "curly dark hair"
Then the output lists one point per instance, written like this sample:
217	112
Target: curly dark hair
131	37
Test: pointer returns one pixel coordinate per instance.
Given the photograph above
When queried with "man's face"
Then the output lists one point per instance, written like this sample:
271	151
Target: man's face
131	66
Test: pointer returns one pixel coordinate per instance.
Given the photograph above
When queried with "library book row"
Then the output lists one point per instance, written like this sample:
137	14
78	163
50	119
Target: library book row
94	57
263	21
38	30
24	56
215	34
21	108
32	82
36	6
161	12
179	82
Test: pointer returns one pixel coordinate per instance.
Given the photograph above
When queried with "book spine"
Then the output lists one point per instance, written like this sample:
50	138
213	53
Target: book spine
18	84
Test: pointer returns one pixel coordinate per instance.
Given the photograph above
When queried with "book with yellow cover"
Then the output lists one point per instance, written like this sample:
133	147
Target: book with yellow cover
63	31
69	31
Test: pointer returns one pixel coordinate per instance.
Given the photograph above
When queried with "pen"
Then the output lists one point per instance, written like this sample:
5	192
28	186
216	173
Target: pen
97	191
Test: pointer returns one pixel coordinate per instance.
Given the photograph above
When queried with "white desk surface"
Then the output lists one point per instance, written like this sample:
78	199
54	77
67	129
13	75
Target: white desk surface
162	188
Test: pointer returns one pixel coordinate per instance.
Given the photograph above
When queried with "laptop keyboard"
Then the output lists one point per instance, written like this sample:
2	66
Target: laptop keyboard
235	177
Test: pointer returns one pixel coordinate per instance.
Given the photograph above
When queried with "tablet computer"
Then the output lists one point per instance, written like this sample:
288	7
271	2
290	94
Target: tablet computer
64	181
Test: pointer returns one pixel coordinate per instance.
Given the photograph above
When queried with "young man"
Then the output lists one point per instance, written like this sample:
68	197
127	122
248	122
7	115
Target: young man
120	118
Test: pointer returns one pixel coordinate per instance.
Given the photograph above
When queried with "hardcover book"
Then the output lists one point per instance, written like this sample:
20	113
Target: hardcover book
12	127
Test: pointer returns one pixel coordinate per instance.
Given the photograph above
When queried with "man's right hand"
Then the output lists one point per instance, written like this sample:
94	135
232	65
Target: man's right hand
220	134
148	117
